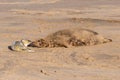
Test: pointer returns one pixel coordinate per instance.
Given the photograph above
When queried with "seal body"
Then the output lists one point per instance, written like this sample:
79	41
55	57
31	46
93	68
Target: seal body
70	38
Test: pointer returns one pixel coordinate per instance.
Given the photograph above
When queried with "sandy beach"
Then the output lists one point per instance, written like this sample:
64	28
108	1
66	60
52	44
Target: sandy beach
35	19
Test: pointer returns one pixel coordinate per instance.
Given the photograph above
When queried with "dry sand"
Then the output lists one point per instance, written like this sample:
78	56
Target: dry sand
34	19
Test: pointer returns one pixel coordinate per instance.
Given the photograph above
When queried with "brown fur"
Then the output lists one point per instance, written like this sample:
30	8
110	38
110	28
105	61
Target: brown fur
69	38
